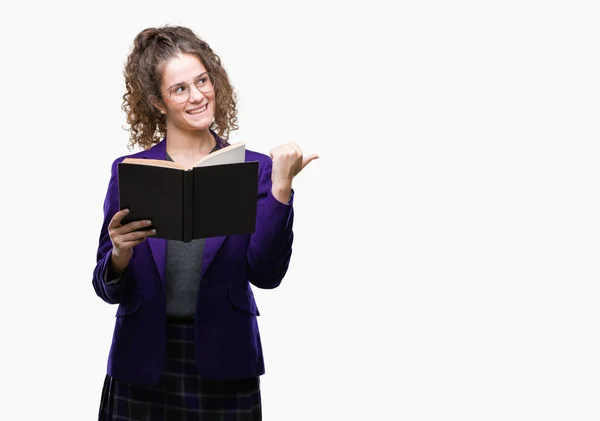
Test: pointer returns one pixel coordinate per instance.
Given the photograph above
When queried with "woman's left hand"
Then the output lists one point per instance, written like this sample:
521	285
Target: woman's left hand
288	161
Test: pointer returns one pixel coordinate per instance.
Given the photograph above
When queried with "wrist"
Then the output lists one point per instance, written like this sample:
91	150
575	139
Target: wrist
282	191
118	262
282	182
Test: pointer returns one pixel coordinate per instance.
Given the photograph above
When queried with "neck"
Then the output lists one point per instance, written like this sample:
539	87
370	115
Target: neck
191	144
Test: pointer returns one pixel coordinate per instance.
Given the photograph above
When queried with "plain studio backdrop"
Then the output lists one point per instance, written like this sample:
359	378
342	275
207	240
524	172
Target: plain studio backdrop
445	262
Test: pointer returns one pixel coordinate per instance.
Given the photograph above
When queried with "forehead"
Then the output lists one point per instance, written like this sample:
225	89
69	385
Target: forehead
182	68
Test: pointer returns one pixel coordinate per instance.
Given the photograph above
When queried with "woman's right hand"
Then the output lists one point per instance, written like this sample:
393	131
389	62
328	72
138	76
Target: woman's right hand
124	238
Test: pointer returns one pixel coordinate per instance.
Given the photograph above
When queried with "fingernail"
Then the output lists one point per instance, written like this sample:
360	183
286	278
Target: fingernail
148	222
153	231
126	210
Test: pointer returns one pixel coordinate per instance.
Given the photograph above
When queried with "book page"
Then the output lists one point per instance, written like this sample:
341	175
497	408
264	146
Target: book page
231	154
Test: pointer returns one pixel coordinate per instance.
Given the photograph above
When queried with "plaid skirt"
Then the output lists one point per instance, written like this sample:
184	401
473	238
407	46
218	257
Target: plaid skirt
181	393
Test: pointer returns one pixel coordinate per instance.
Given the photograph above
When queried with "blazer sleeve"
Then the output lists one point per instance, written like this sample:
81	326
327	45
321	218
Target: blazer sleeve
115	291
270	247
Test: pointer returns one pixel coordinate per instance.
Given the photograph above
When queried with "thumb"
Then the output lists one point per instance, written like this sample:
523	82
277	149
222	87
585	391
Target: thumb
307	159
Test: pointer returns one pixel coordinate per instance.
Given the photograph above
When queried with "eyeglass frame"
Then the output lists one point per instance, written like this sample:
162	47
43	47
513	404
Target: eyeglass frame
212	82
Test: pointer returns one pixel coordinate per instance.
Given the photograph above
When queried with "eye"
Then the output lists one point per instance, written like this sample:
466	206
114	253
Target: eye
178	90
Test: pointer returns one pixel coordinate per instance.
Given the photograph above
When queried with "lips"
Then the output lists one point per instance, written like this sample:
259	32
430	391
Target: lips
199	110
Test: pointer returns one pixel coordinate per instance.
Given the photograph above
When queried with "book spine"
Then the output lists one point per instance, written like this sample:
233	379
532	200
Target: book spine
188	206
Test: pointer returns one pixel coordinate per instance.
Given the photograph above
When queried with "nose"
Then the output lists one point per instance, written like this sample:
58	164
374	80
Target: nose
195	94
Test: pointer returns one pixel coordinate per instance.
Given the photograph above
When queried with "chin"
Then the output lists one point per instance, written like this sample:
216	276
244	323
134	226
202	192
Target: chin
201	124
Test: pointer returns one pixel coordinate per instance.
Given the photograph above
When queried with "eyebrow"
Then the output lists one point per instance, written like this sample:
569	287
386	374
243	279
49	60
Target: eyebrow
184	83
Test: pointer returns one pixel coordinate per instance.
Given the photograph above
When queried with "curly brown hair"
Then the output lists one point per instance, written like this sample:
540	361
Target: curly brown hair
152	49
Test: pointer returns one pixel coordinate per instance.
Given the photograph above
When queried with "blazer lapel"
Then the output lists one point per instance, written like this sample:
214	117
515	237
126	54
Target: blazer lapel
158	246
211	247
213	244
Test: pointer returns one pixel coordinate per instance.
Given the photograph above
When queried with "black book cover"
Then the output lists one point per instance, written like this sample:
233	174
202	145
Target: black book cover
189	204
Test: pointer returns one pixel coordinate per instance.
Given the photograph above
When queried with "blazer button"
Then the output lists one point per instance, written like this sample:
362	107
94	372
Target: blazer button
205	281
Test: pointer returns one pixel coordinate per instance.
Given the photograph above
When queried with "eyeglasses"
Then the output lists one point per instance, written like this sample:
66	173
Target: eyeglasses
180	92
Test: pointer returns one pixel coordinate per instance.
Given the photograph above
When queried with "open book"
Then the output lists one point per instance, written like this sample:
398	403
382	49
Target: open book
233	153
216	197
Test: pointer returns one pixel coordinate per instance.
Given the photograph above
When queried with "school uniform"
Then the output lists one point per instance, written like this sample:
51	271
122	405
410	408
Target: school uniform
186	342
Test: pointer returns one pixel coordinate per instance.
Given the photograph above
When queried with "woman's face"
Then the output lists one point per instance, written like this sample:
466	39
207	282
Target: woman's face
185	106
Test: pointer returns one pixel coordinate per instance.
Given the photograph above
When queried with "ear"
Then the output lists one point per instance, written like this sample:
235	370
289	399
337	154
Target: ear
158	104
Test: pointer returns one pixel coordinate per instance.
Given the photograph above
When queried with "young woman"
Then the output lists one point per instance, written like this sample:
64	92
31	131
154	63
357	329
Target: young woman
186	343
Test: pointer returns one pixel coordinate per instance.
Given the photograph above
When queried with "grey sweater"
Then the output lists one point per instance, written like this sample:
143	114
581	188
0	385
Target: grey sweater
182	276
